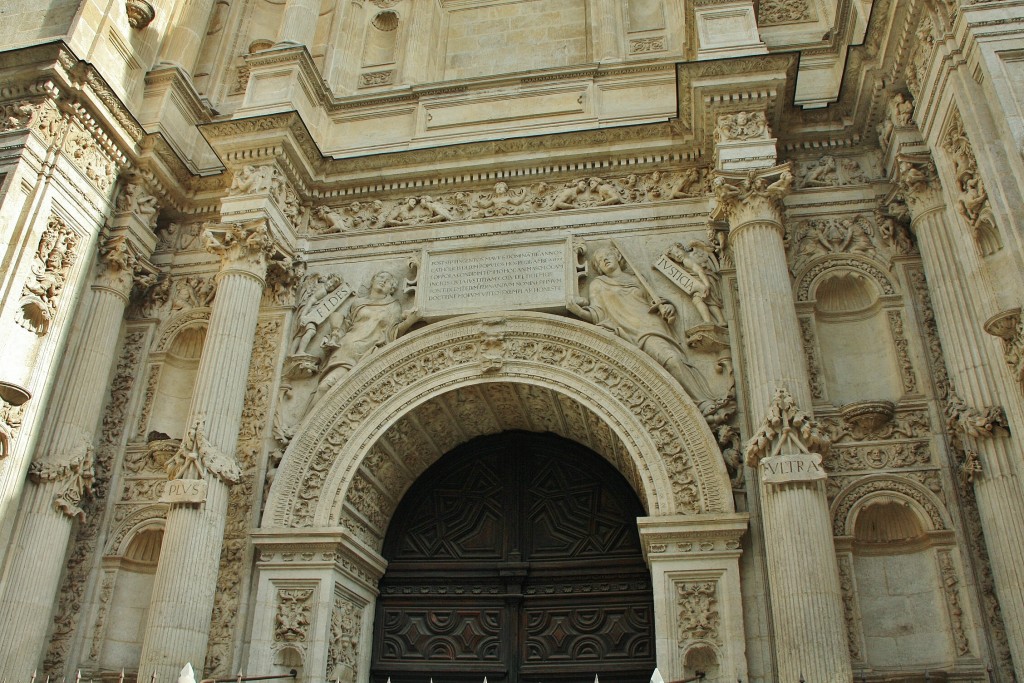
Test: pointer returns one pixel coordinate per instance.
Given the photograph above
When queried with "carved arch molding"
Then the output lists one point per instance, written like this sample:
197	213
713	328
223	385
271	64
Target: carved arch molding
367	441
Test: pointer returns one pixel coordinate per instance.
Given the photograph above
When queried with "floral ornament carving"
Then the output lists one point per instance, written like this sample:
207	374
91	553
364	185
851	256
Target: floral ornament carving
754	196
249	242
699	618
90	158
951	589
197	458
973	203
772	12
343	648
54	257
742	126
786	427
850	607
291	623
73	477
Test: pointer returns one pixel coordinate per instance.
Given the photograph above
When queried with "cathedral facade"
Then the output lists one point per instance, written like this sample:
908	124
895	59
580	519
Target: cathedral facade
512	340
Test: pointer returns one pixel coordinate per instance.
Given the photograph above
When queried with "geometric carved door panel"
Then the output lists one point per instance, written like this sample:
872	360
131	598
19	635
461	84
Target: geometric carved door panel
515	557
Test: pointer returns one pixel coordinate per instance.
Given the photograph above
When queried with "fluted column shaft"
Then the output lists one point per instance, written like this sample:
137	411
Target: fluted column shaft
183	42
298	25
60	474
806	599
980	380
186	579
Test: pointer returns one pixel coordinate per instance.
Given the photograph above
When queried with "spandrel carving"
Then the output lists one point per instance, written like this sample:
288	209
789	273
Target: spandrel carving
621	301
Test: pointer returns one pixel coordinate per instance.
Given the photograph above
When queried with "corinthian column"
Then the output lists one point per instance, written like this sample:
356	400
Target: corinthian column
951	264
806	601
204	468
62	471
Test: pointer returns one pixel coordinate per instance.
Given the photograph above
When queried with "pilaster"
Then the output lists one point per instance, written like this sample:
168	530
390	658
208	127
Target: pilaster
695	575
992	453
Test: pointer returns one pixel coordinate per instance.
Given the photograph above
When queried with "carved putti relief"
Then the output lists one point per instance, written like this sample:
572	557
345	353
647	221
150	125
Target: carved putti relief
54	257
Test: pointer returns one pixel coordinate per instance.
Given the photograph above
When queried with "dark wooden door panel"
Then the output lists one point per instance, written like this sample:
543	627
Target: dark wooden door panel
515	557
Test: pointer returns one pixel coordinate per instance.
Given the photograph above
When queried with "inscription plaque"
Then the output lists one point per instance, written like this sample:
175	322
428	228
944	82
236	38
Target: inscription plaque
780	469
523	276
184	491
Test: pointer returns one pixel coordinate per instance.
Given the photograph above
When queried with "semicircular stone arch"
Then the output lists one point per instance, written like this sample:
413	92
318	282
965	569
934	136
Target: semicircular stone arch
347	465
816	271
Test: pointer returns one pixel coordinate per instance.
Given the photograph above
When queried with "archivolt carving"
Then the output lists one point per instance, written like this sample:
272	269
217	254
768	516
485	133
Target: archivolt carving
668	446
196	317
147	516
807	280
851	500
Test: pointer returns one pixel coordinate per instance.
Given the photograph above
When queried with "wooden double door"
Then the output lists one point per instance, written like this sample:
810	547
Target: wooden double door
515	557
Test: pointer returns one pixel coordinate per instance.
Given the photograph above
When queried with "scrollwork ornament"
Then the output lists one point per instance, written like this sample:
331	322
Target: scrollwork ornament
786	425
197	458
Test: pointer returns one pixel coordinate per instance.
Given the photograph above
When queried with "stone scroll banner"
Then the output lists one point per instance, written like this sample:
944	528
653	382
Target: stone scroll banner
533	275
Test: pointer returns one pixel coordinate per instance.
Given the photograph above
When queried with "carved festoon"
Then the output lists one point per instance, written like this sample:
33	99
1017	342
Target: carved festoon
72	475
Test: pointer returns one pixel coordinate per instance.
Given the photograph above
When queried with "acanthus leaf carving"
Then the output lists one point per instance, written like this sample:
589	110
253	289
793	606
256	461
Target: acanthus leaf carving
919	182
786	426
755	196
248	242
1009	327
116	264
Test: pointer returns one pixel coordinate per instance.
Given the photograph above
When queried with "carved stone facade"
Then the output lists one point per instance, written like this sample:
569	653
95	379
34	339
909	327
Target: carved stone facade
266	266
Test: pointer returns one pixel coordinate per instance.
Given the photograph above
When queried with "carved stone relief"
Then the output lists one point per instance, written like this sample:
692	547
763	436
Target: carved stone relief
809	239
54	257
343	648
830	171
973	202
504	200
851	613
291	622
774	12
951	589
699	619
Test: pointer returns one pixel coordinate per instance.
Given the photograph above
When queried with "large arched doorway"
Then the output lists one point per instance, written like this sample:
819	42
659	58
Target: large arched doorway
515	557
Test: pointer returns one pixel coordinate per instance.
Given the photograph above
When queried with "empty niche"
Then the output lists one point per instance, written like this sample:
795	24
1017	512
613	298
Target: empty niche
899	590
173	394
645	15
381	39
286	660
133	577
858	358
701	659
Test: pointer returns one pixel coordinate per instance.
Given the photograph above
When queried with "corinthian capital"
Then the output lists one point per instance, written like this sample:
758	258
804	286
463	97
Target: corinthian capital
754	196
241	244
786	430
919	183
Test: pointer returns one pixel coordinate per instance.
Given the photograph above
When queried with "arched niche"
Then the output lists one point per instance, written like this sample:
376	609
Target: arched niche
851	318
908	609
125	593
646	425
175	362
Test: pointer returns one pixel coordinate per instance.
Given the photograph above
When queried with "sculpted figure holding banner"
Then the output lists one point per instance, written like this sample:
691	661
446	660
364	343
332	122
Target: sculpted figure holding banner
622	303
693	259
311	297
369	322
